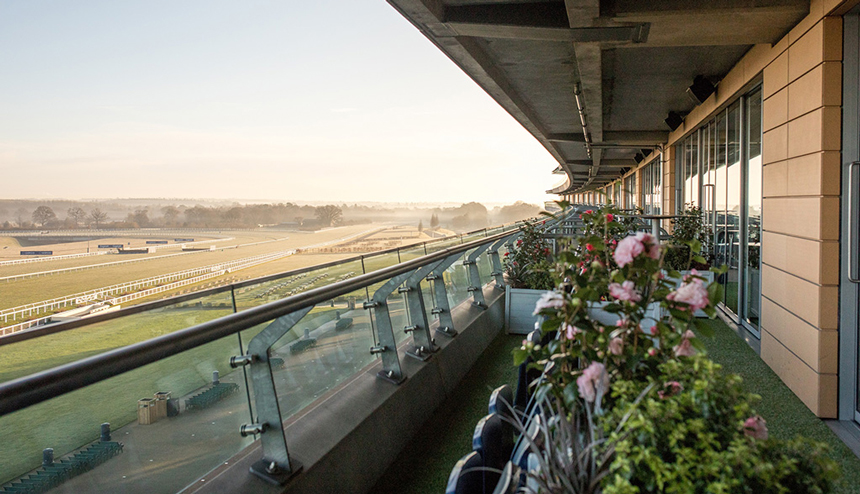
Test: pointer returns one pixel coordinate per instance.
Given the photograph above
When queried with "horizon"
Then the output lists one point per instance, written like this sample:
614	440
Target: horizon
259	100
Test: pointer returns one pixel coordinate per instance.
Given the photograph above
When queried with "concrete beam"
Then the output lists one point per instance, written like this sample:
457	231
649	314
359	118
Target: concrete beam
624	137
636	33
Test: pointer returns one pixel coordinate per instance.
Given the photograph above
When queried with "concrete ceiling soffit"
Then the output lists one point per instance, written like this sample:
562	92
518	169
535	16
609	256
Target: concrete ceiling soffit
537	21
633	138
708	22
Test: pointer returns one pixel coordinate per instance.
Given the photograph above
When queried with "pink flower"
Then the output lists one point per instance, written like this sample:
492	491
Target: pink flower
616	346
624	291
692	293
570	331
685	349
756	428
589	247
549	300
610	217
652	352
627	249
589	212
593	382
670	388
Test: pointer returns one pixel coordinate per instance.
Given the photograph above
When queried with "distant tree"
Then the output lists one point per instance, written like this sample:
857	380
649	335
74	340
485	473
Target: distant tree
518	211
139	216
98	217
434	220
420	226
329	215
43	214
78	215
21	215
170	213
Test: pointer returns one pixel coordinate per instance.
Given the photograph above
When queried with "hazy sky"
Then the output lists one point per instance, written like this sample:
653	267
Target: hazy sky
283	100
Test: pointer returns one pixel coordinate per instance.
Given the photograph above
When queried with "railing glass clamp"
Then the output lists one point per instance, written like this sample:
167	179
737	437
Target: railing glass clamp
370	305
241	360
409	329
404	289
437	310
251	429
473	288
432	277
468	262
378	349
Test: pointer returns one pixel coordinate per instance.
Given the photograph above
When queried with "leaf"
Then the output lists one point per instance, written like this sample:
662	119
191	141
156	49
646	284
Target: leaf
715	293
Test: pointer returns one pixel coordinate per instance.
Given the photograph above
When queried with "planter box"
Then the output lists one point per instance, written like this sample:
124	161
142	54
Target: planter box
709	278
519	306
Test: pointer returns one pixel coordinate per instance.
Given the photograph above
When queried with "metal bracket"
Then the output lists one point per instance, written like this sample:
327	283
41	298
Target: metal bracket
475	277
440	294
498	270
276	466
387	347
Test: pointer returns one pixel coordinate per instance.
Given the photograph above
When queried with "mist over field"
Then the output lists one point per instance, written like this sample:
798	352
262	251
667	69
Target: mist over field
26	214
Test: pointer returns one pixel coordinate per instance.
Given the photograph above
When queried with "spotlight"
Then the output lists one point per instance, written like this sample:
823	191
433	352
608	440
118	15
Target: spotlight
700	90
674	120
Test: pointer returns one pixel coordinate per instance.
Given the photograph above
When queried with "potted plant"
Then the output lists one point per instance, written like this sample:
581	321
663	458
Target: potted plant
630	410
527	276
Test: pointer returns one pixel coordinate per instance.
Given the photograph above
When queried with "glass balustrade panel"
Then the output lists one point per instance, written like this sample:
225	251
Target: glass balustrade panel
380	261
252	295
326	347
171	422
48	351
457	282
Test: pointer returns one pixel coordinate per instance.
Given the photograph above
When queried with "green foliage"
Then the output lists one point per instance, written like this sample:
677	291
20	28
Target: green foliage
666	414
690	246
527	264
692	439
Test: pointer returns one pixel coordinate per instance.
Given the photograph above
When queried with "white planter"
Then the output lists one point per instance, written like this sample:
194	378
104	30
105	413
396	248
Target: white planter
519	306
709	278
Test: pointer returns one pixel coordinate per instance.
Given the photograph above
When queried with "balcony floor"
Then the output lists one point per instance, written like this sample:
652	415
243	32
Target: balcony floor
424	467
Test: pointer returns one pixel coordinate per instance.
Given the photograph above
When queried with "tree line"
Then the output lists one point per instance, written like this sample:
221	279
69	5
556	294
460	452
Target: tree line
467	216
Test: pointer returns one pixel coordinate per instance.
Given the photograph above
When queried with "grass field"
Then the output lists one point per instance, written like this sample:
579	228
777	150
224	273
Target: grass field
16	293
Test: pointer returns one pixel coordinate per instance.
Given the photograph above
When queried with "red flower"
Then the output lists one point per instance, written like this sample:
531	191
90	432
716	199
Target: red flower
589	212
589	247
610	217
543	222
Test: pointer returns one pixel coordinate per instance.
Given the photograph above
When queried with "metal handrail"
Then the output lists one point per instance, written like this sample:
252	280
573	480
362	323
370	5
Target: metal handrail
42	386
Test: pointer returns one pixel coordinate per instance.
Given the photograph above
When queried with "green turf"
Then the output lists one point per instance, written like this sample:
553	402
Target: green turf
425	466
786	415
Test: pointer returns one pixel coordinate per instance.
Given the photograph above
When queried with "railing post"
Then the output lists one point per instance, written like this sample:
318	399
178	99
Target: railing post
423	344
387	347
442	308
475	285
498	270
275	466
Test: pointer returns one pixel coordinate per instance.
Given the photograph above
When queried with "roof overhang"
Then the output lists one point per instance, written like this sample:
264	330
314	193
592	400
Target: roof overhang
594	80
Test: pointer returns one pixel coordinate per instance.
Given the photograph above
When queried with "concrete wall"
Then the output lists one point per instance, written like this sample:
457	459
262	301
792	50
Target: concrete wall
801	77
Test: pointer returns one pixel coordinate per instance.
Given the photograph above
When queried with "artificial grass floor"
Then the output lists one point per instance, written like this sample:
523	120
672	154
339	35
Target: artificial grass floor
785	414
425	466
